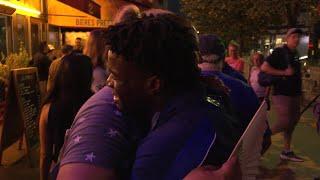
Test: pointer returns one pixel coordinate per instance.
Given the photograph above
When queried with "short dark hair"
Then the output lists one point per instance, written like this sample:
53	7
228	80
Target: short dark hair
68	86
164	45
66	49
43	45
79	38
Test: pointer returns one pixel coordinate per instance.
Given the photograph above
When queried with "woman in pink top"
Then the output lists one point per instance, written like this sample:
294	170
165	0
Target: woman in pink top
233	59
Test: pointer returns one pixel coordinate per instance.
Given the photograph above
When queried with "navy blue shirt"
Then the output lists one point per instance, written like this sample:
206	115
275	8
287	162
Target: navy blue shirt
227	69
182	138
281	58
242	97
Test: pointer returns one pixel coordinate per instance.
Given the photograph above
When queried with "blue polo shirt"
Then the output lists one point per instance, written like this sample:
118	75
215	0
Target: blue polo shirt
182	138
242	97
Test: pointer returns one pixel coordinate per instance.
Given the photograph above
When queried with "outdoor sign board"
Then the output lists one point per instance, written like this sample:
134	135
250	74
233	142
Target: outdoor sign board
23	104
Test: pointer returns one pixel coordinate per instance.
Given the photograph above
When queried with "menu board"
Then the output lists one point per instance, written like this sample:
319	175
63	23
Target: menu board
23	103
13	126
28	95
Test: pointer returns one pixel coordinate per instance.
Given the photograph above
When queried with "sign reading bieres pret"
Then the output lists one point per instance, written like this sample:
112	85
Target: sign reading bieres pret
86	22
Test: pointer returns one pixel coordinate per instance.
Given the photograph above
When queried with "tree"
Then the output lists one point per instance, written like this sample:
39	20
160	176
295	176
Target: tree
243	20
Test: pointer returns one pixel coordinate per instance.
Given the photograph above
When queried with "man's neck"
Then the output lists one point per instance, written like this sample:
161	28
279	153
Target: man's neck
209	67
292	48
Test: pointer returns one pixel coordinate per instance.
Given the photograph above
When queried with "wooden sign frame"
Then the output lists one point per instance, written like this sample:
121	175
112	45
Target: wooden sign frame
16	111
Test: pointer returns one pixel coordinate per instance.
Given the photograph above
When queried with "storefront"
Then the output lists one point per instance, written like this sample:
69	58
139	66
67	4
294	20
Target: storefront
22	26
71	19
5	30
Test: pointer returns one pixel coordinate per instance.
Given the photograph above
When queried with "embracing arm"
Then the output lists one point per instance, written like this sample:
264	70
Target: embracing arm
230	170
82	171
45	143
267	68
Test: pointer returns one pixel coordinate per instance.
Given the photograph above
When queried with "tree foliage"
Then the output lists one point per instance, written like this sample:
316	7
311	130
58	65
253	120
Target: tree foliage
244	19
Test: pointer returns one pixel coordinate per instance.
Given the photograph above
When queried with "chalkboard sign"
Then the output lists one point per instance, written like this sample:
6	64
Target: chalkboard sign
13	126
28	95
23	103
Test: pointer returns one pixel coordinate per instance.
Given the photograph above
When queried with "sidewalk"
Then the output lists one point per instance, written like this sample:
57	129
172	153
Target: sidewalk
306	143
17	166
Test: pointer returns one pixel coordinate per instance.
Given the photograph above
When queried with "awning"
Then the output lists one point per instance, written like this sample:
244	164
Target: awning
61	14
6	10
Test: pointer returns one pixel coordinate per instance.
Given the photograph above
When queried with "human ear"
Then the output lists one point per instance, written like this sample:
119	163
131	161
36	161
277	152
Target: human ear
153	85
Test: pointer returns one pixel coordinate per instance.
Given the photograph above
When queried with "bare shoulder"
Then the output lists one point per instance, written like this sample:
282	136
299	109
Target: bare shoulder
46	108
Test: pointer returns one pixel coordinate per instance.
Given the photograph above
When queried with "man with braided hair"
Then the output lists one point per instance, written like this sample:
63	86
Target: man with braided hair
155	78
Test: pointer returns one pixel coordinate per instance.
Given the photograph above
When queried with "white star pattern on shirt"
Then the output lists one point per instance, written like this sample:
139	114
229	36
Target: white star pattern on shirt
81	120
77	139
90	157
118	113
112	132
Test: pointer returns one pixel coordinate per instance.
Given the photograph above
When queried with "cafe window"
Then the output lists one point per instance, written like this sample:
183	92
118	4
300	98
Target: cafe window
70	37
35	37
54	36
3	38
20	35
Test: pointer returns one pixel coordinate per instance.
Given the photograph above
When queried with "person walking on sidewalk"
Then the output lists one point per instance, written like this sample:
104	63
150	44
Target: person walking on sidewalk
284	63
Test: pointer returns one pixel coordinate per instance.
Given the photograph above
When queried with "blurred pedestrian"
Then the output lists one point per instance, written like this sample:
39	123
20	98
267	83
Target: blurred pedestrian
70	90
243	99
284	62
234	60
95	49
54	67
52	53
257	60
262	93
78	47
42	62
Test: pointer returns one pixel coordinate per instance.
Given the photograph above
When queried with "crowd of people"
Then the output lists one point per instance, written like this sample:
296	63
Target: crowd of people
149	98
